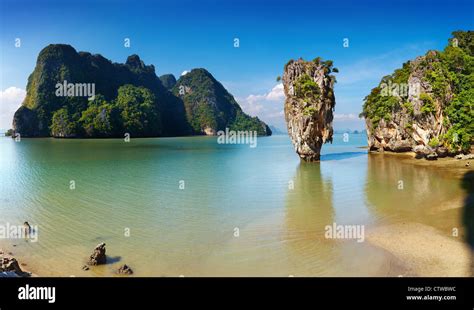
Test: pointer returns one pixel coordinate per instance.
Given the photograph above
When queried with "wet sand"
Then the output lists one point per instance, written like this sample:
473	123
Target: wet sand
457	166
410	249
423	250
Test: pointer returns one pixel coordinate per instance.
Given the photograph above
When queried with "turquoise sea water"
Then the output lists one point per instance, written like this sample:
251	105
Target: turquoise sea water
190	206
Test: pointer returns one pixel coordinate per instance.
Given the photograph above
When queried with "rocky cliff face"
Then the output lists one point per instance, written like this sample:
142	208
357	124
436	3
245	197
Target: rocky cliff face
427	105
309	105
211	108
168	81
57	63
128	98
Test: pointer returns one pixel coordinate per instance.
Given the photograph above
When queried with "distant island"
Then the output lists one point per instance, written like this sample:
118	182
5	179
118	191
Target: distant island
350	131
276	131
79	95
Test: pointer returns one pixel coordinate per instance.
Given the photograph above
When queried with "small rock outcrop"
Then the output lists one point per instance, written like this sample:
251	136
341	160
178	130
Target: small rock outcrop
464	157
125	270
10	265
98	257
309	105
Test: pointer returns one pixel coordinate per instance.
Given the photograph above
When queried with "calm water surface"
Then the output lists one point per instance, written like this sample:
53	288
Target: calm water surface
279	205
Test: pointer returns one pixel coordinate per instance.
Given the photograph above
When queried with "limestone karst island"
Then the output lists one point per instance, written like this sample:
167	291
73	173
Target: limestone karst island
216	139
426	106
128	98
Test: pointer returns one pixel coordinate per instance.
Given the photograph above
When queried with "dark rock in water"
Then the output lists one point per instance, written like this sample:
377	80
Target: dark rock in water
423	151
432	156
124	269
442	152
10	264
98	257
464	156
309	105
400	146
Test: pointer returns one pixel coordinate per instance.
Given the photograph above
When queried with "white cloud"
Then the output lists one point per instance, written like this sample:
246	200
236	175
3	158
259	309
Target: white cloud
10	100
184	72
267	106
276	94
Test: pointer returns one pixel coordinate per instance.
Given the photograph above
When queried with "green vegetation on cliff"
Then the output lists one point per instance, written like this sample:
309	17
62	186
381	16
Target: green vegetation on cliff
128	98
63	124
306	88
210	107
139	114
309	105
101	119
133	111
447	94
379	105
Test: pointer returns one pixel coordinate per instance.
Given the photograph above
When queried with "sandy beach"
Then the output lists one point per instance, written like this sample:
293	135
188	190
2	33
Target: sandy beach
448	163
423	250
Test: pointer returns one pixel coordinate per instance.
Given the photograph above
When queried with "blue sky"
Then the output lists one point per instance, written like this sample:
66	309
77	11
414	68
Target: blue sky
180	35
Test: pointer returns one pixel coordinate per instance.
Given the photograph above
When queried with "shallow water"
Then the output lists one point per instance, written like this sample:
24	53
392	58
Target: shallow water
242	211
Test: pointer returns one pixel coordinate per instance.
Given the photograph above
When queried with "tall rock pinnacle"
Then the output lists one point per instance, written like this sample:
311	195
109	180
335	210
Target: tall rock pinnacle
309	105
